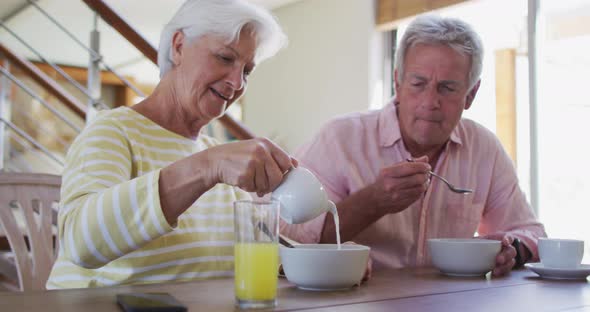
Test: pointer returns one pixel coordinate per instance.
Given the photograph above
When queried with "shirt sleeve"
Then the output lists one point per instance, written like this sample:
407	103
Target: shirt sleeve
104	214
507	209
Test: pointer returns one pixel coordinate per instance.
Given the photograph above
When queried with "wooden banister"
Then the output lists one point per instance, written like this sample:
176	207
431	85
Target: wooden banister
120	25
45	81
109	15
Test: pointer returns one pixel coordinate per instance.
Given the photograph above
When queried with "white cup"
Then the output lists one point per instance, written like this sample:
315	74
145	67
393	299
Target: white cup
302	196
561	253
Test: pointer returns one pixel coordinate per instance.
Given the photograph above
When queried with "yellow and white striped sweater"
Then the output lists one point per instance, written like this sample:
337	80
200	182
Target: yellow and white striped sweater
111	226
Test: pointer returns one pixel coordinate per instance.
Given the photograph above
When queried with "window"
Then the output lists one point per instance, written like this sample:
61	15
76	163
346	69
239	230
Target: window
564	118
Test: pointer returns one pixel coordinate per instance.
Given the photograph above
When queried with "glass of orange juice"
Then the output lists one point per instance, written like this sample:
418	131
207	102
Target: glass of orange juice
256	253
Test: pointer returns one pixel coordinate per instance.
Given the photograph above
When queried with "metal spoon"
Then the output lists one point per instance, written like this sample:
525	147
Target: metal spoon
451	186
282	240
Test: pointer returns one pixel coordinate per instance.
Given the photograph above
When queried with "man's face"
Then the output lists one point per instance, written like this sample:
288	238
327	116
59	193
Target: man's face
432	94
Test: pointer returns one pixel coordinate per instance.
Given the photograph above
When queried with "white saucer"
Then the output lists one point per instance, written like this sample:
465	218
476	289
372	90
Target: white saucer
579	273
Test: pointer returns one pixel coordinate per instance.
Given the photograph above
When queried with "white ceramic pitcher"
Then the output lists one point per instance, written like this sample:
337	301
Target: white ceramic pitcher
302	196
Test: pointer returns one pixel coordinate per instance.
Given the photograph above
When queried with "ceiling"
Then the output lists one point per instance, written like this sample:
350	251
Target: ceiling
147	17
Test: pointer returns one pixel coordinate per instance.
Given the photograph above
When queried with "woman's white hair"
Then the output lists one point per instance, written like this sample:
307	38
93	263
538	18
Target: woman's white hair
224	18
452	32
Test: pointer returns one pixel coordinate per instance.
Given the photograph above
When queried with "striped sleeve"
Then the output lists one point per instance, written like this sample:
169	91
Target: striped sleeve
104	214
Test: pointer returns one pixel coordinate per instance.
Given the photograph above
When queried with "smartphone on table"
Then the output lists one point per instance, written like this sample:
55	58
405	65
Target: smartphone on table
149	302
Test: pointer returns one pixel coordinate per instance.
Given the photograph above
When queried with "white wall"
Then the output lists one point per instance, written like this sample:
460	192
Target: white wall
325	71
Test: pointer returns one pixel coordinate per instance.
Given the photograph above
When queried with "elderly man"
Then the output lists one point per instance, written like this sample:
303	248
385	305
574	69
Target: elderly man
391	204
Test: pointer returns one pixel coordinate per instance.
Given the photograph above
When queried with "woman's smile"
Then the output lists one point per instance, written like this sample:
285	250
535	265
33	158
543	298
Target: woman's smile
226	98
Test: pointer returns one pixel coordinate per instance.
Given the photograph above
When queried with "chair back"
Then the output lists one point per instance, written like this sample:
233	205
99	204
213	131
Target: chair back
28	212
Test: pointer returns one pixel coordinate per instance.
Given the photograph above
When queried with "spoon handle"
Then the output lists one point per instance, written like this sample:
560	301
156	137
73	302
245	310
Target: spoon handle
285	242
441	178
282	240
449	185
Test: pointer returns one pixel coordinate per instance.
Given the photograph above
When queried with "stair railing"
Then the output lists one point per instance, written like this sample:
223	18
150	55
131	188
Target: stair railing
31	140
53	88
47	83
62	73
40	99
30	148
94	54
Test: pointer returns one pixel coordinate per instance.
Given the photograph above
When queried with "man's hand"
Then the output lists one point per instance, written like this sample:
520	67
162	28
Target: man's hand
394	190
505	258
400	185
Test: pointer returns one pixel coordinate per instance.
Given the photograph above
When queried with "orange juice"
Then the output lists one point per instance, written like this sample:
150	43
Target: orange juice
256	270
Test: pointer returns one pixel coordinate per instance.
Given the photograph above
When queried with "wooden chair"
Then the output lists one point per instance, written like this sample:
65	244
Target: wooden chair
33	251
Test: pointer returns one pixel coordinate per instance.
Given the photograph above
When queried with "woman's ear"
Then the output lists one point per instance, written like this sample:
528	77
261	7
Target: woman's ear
178	40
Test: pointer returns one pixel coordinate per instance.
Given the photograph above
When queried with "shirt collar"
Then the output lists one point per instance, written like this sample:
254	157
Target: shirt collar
389	131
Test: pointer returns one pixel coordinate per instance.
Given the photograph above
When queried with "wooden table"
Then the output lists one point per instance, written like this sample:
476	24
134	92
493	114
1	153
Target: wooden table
394	290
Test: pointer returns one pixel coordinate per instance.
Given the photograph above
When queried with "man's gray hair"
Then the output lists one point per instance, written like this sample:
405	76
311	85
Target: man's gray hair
225	18
452	32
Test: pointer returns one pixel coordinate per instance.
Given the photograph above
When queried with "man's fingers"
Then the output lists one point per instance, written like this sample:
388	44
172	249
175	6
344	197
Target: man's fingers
507	253
503	269
409	195
500	259
505	238
405	169
423	159
410	182
505	259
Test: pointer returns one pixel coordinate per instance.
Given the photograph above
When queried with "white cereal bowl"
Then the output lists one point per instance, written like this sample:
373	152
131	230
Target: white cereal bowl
464	257
323	266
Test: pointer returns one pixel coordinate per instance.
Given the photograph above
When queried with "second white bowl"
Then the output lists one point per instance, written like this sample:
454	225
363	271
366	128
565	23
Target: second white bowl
464	257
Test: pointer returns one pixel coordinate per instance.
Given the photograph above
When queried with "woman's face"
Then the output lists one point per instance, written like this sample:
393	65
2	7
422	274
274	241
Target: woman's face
210	73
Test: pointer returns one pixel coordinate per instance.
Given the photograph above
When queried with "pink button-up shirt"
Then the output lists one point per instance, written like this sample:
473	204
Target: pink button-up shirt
349	152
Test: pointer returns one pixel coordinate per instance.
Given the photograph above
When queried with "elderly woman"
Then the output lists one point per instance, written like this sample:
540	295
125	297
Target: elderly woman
146	197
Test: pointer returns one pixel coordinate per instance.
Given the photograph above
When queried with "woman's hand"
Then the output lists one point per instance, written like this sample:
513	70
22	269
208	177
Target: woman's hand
255	165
